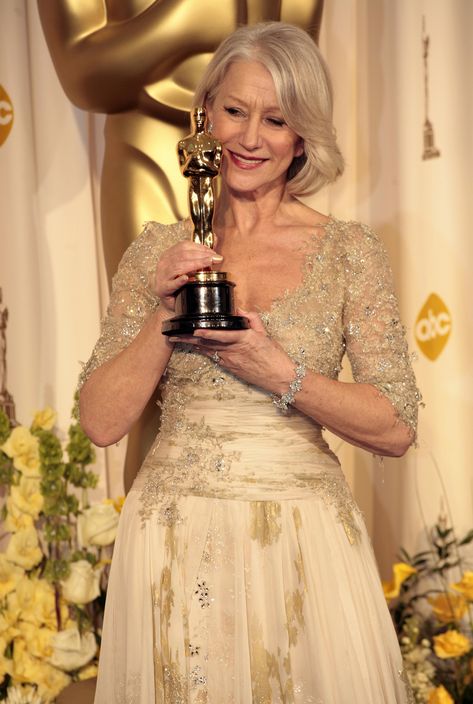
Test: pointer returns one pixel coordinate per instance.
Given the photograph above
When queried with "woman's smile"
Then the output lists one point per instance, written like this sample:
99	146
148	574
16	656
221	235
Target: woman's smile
245	162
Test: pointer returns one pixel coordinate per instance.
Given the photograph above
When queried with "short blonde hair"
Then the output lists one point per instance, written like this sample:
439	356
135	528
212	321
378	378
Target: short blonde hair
304	89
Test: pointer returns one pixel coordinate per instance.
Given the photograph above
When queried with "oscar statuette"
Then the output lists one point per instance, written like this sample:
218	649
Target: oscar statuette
206	300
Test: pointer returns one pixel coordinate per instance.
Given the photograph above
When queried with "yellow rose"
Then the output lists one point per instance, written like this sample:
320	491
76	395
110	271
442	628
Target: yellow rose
8	629
23	448
38	640
28	669
26	497
82	585
448	607
451	644
10	575
44	419
88	672
439	695
71	650
401	571
465	586
52	682
36	601
10	612
97	525
16	520
23	548
21	598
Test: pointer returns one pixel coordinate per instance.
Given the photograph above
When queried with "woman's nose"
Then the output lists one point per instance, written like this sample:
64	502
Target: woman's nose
250	137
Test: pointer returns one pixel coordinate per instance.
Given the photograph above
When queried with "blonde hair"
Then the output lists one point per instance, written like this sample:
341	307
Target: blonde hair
304	89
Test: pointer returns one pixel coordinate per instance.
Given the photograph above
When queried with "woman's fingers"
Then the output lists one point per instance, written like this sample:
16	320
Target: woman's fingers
253	318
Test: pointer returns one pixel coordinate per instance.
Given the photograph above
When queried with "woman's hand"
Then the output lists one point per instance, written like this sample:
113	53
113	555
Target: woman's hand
174	267
248	354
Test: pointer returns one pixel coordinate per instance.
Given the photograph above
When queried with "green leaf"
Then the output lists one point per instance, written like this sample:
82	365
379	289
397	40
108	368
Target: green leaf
5	427
56	570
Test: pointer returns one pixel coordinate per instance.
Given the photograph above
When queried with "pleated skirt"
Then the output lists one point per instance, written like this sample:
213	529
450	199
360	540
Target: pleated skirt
246	602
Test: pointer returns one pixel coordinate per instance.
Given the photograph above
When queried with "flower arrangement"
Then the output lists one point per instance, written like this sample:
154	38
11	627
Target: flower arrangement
433	616
53	567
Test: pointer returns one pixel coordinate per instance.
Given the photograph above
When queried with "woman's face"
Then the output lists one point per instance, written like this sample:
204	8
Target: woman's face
258	147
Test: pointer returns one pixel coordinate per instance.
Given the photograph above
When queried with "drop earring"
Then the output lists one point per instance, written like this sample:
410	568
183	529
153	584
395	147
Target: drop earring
210	127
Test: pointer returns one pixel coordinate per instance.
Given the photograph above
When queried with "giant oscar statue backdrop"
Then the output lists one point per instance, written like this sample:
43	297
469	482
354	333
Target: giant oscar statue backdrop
139	61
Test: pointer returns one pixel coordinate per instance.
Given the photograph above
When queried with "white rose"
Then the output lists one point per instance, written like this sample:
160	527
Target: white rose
82	585
71	651
97	525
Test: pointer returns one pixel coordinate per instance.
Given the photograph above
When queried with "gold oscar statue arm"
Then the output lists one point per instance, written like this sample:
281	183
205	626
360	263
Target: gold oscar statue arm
103	64
304	14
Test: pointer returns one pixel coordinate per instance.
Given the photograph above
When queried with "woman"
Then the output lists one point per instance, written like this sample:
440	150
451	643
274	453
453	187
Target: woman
242	570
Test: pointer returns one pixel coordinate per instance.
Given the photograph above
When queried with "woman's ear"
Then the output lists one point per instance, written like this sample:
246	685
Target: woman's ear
299	148
209	111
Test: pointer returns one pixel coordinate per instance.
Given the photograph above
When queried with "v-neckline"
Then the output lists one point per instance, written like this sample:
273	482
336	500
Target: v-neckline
288	294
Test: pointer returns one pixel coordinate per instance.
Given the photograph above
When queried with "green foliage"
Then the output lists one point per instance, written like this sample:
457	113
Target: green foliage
79	448
4	427
56	569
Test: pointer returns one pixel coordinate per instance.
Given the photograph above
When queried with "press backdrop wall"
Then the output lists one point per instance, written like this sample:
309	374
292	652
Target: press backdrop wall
51	267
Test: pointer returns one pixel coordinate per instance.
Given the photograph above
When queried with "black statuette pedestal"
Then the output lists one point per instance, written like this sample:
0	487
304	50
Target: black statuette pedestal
206	302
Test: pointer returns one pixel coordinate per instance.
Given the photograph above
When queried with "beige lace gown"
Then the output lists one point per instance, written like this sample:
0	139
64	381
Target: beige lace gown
242	571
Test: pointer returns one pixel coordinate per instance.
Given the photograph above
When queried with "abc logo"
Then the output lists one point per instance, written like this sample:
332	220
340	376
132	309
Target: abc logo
6	115
433	326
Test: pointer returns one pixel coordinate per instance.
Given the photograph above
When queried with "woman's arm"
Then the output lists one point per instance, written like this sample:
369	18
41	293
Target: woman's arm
122	375
103	64
115	394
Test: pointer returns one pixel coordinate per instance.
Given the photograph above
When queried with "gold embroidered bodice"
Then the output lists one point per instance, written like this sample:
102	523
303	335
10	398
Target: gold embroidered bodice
222	437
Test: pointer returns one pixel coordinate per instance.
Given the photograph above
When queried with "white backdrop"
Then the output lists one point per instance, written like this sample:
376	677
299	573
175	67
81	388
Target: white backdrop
50	259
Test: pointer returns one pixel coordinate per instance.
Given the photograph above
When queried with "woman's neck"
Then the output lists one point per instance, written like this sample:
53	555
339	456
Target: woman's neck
247	212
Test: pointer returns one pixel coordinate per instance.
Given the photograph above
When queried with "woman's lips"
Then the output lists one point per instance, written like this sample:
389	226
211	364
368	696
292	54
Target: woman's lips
245	162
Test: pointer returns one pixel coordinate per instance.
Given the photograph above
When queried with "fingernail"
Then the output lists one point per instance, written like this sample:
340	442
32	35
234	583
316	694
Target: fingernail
217	257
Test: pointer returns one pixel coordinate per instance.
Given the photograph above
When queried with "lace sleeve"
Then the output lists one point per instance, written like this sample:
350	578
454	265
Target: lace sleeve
374	335
131	300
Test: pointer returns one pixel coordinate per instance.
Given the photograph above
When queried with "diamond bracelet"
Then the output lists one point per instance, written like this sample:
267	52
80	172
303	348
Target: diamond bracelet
282	402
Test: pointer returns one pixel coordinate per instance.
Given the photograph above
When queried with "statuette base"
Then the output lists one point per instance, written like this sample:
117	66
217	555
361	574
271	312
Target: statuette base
205	302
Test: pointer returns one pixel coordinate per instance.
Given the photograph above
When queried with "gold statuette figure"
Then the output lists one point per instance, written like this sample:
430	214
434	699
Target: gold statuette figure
206	301
200	156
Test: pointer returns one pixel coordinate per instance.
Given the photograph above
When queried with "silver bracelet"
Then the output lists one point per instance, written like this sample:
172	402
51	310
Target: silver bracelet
282	402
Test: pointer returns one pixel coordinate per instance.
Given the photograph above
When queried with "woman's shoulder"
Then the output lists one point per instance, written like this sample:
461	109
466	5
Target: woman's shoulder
157	237
151	242
350	230
353	237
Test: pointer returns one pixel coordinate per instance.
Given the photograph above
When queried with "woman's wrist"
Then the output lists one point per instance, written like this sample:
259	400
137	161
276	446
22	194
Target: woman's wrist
287	397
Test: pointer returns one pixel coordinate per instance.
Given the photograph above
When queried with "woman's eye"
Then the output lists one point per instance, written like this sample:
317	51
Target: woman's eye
234	112
276	122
